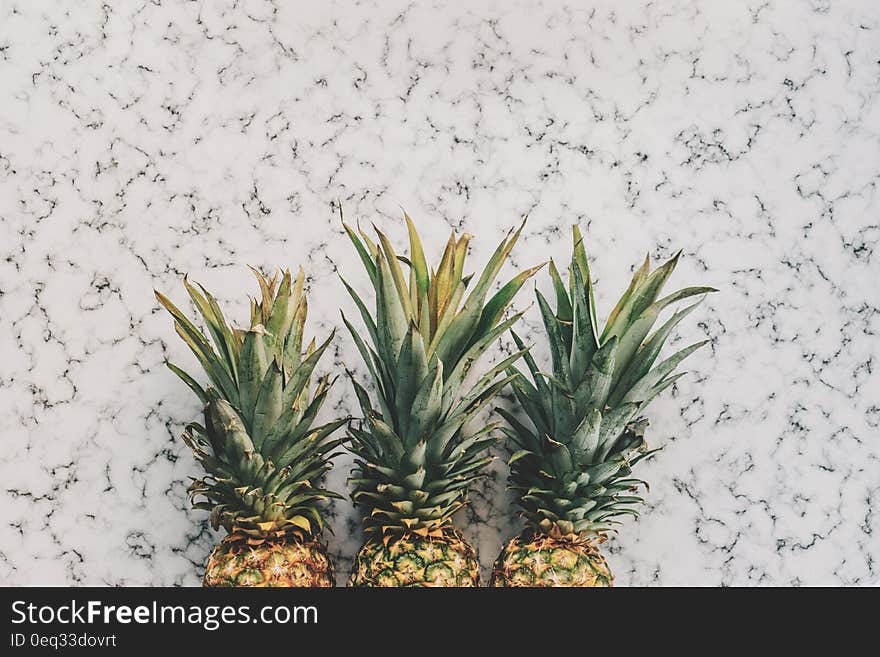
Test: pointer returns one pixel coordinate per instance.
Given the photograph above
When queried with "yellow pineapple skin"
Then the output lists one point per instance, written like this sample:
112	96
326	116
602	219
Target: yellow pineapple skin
538	560
284	563
416	561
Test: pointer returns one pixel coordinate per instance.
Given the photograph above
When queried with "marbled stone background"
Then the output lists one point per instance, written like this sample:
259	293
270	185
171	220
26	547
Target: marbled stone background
143	140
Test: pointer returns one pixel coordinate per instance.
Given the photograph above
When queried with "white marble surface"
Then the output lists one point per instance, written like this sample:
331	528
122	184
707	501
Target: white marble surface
142	140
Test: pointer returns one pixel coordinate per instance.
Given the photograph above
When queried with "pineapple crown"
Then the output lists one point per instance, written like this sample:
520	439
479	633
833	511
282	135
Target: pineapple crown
264	461
415	458
572	468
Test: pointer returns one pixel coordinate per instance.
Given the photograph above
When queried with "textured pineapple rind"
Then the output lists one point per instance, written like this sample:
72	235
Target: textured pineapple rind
289	563
541	561
416	561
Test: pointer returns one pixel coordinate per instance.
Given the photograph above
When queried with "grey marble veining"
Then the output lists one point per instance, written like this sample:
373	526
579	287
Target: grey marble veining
143	140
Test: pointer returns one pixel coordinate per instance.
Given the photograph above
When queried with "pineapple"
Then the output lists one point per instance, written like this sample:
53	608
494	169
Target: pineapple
264	461
415	455
571	465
